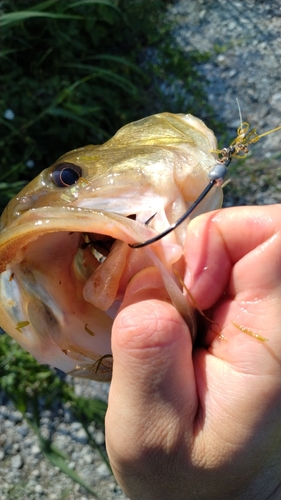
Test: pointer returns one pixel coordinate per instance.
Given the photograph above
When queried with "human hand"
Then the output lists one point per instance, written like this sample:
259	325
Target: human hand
203	423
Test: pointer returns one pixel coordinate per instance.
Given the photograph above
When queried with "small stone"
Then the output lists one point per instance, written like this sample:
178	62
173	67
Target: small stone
78	390
99	437
47	414
67	416
4	411
112	487
30	163
8	424
16	462
81	436
232	26
36	473
103	471
75	456
38	489
2	455
16	416
88	458
15	448
23	430
35	450
9	114
221	58
77	488
75	426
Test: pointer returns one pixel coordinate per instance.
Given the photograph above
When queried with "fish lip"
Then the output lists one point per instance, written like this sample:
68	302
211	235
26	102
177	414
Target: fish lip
36	222
67	217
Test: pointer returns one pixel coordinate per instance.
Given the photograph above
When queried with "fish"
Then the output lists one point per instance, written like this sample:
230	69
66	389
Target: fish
65	259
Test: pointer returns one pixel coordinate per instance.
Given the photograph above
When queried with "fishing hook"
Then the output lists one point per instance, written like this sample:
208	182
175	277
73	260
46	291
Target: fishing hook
216	176
238	148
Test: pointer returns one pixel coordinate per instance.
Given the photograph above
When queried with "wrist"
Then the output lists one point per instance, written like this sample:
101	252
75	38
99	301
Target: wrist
265	486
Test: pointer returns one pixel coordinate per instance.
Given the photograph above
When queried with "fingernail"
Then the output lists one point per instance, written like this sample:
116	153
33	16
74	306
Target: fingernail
145	285
147	279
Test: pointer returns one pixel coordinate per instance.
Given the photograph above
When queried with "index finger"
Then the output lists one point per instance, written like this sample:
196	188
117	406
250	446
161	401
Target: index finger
216	241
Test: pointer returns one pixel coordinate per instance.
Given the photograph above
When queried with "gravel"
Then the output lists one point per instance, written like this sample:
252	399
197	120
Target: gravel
243	42
26	474
242	39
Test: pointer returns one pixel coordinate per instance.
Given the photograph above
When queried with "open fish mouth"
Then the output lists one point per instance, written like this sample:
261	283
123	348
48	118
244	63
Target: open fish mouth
65	261
63	288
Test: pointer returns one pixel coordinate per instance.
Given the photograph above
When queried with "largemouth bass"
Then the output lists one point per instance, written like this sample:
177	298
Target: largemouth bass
64	255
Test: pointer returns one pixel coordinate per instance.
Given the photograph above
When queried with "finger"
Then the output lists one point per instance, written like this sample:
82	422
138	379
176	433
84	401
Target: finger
216	241
153	381
234	267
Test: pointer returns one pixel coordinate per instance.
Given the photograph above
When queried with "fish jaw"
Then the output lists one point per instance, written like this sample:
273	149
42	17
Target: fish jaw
58	301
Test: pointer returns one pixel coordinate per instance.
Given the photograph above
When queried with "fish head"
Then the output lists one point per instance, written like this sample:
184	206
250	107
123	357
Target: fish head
65	262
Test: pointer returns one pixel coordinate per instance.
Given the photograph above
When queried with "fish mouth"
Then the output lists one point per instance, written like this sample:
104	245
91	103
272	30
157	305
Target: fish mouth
65	274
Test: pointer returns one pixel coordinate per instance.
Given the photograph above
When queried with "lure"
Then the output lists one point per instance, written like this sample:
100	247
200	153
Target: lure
237	149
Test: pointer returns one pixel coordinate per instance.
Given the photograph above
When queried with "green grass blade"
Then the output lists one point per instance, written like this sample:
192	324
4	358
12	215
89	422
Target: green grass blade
101	73
10	189
92	2
7	173
57	457
118	59
20	16
10	126
106	74
95	445
44	5
64	113
59	99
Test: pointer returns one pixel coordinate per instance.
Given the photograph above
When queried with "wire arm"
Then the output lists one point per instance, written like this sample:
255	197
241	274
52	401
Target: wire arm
179	221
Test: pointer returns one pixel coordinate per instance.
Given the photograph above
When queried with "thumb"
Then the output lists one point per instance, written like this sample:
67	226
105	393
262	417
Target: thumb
152	351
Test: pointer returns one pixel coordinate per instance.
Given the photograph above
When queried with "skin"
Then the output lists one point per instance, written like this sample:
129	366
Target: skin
203	424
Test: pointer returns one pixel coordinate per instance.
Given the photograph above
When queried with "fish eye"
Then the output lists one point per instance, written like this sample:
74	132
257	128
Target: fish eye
66	174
